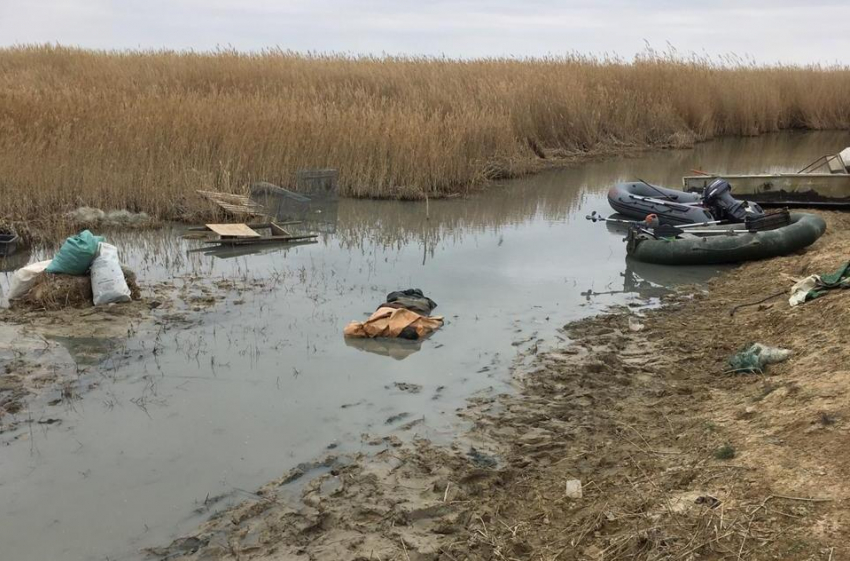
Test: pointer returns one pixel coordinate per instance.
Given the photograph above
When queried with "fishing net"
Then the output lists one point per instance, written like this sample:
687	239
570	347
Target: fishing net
755	357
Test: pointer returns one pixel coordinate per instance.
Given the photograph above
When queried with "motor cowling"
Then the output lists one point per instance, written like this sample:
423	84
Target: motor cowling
718	198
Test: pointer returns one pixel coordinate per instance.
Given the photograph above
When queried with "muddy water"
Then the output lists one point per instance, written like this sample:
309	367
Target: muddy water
264	380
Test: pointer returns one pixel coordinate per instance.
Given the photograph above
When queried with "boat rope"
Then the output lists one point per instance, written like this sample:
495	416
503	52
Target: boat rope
657	190
762	301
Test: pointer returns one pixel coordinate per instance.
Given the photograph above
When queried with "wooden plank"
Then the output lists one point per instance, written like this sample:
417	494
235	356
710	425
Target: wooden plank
268	239
231	198
233	203
257	226
277	230
233	230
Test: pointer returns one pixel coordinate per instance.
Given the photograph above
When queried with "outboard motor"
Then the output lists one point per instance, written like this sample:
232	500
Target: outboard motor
718	197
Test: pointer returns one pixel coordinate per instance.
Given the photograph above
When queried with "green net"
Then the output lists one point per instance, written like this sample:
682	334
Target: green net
755	357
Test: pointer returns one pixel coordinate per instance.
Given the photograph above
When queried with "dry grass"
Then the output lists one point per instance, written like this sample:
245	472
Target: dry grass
58	292
143	130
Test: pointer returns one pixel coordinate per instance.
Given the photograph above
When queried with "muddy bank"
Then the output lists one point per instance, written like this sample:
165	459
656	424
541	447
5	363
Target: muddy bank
677	457
54	338
49	350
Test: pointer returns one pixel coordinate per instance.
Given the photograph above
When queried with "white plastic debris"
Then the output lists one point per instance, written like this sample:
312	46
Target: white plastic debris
635	325
107	279
24	278
95	216
573	489
802	288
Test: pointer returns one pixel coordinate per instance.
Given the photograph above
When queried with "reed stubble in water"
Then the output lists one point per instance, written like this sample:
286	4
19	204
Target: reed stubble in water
143	130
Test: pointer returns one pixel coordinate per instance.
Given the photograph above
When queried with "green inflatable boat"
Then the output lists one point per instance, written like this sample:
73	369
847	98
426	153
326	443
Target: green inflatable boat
726	244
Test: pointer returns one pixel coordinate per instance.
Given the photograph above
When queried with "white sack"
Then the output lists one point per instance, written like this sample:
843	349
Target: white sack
107	279
24	278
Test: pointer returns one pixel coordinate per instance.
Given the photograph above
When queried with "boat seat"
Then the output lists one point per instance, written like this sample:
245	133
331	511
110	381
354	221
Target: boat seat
845	157
836	164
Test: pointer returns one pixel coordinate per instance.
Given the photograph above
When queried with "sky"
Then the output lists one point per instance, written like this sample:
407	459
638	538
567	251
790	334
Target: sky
786	31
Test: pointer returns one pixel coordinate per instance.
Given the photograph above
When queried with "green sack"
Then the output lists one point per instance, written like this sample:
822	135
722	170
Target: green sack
76	254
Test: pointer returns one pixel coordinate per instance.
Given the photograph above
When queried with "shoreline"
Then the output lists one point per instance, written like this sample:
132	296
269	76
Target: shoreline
676	457
48	231
51	230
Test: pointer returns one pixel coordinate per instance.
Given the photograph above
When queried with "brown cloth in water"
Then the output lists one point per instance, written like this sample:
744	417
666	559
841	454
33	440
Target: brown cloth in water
391	322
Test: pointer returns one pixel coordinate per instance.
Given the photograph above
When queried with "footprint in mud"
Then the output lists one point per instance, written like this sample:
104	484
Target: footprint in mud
347	405
438	393
481	459
406	387
177	548
396	418
317	467
411	424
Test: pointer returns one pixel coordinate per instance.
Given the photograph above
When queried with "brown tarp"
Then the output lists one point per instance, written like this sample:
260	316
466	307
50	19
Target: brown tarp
390	322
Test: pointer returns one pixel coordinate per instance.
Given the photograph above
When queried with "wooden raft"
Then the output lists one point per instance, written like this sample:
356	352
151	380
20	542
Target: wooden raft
234	204
242	234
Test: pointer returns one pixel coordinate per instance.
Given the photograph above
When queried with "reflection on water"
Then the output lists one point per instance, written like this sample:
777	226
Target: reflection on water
87	351
557	194
230	252
650	281
14	262
266	380
398	349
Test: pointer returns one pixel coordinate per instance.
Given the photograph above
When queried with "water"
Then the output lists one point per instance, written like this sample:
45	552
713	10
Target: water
265	380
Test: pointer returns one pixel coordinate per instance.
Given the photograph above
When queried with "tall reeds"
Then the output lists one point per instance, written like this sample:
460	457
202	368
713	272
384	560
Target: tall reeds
144	130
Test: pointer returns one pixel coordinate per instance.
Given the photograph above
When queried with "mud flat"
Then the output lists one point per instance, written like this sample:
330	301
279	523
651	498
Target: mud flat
56	353
677	457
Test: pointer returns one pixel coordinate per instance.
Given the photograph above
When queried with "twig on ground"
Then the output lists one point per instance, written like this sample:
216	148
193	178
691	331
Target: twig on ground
763	506
805	499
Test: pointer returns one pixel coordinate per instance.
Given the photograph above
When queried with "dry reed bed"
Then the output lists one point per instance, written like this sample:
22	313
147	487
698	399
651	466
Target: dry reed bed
144	130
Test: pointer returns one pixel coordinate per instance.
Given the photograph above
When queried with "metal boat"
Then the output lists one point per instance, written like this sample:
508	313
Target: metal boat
824	182
9	240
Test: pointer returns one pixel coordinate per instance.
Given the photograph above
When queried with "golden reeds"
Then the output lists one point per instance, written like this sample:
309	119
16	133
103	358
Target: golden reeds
143	130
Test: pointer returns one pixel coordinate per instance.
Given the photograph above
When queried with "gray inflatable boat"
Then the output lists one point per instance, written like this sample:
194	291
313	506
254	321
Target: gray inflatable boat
639	199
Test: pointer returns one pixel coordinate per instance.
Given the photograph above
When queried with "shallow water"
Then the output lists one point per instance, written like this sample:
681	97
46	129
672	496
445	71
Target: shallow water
265	381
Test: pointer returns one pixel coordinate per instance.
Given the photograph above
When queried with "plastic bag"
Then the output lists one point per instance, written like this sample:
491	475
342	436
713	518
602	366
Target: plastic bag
76	254
107	279
24	278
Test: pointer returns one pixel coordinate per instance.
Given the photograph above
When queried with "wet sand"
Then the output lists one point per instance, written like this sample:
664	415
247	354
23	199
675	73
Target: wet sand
677	457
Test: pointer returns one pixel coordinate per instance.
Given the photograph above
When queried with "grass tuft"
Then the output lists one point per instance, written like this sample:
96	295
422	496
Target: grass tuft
725	452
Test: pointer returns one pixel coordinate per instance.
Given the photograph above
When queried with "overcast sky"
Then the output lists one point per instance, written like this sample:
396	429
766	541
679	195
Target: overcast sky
769	31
